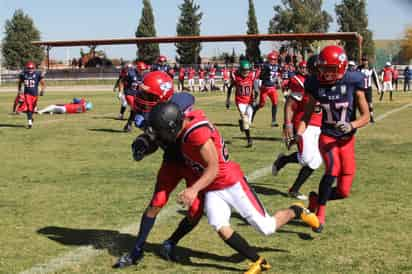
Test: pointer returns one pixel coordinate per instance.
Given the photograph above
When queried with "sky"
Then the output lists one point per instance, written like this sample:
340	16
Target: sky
92	19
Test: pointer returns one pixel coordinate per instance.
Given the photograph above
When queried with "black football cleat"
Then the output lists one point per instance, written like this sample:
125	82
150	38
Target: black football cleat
126	261
168	251
318	229
249	143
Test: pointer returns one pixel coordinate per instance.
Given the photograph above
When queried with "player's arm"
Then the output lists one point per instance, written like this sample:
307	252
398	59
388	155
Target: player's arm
42	86
209	156
308	110
363	108
116	85
375	79
288	133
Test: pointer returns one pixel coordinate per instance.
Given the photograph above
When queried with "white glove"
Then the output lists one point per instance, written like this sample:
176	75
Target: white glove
344	127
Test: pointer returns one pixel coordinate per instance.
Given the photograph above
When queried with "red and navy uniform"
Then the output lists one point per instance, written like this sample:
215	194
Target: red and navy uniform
338	103
31	81
268	75
79	107
133	80
165	68
244	87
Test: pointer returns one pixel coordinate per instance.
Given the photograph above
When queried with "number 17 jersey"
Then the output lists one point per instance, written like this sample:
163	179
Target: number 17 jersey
338	101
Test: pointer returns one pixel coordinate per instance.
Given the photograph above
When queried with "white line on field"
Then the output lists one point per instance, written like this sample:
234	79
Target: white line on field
83	254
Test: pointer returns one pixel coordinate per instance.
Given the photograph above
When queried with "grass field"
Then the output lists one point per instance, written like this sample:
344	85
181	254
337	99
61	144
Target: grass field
71	197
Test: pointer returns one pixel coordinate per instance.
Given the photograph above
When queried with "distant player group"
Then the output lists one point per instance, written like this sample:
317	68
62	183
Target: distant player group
326	102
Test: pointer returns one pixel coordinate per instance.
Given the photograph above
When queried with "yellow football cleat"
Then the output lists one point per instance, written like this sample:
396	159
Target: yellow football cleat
257	267
308	217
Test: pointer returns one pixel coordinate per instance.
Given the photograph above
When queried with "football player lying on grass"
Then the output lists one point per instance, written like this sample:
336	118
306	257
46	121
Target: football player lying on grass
76	106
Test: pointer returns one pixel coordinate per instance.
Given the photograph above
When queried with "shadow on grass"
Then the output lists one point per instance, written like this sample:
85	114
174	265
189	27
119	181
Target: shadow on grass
110	130
267	191
118	243
11	125
259	138
226	125
107	118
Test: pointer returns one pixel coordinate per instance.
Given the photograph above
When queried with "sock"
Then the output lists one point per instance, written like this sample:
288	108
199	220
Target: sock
182	230
274	110
325	189
146	225
390	95
304	174
29	115
247	133
122	110
321	213
298	211
239	244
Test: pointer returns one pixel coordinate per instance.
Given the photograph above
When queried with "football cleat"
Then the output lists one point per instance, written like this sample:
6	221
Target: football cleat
127	260
274	124
168	251
276	164
257	267
313	201
127	128
297	195
308	217
241	125
319	229
249	143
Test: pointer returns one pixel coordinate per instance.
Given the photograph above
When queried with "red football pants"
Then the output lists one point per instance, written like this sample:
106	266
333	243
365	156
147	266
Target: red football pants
268	92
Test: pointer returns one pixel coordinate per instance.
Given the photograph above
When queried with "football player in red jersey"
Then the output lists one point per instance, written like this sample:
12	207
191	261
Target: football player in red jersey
225	78
211	77
30	79
19	104
243	80
308	155
191	78
182	72
387	76
202	83
219	180
339	93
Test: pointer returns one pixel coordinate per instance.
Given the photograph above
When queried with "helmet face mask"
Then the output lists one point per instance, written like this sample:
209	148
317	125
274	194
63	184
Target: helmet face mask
302	68
244	68
273	57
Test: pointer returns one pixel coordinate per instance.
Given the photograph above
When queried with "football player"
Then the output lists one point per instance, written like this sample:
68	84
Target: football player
339	93
29	80
191	78
76	106
182	72
120	86
387	76
225	78
269	77
308	155
220	180
211	77
370	76
202	83
242	80
162	65
19	105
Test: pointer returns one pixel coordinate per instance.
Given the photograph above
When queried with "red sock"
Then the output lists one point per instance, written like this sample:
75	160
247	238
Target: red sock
321	213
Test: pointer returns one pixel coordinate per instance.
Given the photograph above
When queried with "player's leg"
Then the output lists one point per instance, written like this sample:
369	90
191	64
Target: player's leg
282	160
328	147
390	90
131	102
123	105
168	177
31	102
245	112
273	95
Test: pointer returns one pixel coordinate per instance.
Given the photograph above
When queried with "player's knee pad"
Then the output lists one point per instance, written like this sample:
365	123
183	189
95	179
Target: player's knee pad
245	122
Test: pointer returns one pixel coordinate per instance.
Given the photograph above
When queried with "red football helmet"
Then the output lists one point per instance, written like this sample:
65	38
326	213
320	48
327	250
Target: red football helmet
141	66
30	66
162	59
302	67
331	65
157	87
273	56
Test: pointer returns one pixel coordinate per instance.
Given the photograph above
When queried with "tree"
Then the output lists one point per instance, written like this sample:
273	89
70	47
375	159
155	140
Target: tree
233	56
252	46
147	53
299	17
406	45
188	25
17	48
352	17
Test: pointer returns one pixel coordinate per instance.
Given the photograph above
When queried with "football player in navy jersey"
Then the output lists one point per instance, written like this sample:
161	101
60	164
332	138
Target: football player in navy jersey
30	80
162	65
269	75
340	93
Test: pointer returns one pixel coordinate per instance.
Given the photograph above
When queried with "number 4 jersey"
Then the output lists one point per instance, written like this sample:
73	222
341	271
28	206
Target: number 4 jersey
338	101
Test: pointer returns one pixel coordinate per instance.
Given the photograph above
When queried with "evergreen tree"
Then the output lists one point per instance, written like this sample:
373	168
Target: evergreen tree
17	48
300	17
406	45
352	17
188	25
252	46
233	56
147	53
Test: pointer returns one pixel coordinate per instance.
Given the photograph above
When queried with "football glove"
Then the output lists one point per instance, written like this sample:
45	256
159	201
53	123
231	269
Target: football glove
142	146
139	121
344	127
41	92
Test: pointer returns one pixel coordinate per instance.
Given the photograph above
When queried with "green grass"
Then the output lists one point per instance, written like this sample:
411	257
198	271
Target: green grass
71	182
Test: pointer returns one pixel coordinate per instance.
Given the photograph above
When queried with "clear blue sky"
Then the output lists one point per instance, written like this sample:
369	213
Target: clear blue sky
92	19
